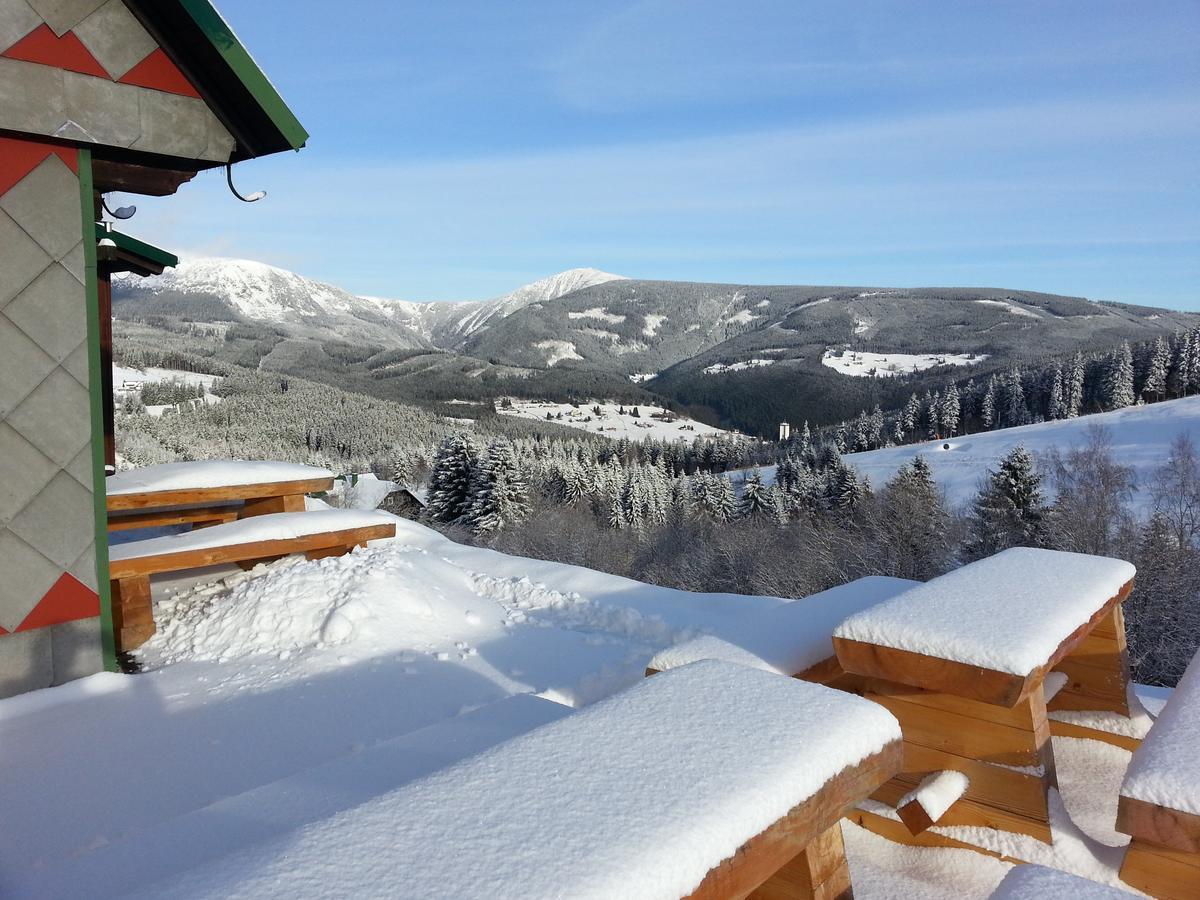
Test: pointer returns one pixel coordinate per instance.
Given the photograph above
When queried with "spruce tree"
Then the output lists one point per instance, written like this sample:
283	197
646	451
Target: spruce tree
450	482
1155	385
1009	508
757	500
499	496
1117	388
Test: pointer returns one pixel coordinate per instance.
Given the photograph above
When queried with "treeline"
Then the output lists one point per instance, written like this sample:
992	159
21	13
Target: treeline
1163	369
819	524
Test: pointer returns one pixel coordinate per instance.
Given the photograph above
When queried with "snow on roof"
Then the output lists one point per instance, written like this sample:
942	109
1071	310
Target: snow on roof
273	527
1032	882
789	638
182	476
638	795
1165	769
1008	612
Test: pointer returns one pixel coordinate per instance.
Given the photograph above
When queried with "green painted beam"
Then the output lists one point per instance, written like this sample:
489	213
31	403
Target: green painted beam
136	247
221	36
87	205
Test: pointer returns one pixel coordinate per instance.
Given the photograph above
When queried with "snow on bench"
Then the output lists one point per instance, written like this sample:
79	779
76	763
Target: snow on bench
990	629
923	807
790	637
202	493
1030	882
1160	797
207	475
702	781
317	533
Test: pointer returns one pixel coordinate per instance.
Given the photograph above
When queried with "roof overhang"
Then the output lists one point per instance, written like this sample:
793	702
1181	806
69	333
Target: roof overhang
205	48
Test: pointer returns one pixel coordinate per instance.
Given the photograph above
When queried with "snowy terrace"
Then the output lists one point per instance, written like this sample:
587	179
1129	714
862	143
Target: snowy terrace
289	714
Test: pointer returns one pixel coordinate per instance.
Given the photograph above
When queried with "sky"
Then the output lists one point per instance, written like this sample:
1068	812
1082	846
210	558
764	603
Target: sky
460	149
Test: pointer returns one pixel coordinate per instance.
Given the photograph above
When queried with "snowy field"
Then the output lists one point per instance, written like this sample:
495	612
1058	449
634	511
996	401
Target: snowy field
284	699
861	365
1141	439
610	422
722	368
128	381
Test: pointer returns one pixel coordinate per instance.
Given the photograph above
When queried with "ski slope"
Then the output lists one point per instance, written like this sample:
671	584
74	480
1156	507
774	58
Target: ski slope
1141	439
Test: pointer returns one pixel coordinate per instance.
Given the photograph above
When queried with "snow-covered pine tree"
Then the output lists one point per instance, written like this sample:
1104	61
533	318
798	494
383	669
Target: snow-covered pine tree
1073	388
1155	385
911	415
450	481
1009	508
987	408
1117	389
757	500
499	496
950	411
1056	403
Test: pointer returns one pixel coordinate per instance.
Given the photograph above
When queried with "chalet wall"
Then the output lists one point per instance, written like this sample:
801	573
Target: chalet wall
49	605
86	71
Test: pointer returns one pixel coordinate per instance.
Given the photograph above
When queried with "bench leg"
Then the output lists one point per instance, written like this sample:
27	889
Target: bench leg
266	505
332	551
133	614
819	872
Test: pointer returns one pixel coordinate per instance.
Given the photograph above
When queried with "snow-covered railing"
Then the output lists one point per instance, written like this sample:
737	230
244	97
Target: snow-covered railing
1159	806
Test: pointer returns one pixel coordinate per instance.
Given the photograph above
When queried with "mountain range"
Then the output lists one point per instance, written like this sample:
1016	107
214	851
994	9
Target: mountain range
745	355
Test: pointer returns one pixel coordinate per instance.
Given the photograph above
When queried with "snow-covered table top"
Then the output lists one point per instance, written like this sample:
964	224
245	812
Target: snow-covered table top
208	474
637	796
1030	882
1165	769
1009	612
272	527
790	637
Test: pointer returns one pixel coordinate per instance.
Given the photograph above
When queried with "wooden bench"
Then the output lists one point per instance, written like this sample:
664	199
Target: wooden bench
1159	807
209	492
709	781
316	534
961	662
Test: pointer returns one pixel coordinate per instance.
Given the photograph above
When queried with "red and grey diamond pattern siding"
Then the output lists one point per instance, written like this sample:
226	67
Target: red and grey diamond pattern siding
49	607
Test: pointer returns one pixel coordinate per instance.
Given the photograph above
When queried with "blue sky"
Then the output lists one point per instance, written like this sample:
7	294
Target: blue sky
460	149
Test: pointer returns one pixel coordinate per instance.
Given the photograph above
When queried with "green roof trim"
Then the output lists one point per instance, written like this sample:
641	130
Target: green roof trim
226	43
136	247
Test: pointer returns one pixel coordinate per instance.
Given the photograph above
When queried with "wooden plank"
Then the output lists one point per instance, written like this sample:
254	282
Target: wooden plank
914	817
897	832
964	736
969	812
199	516
1071	730
132	612
1027	714
753	864
264	506
1112	625
257	550
132	178
151	499
1160	825
930	672
820	871
958	678
1160	872
1020	793
1105	687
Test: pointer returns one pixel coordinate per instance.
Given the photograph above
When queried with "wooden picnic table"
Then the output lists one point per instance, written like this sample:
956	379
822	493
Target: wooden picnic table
1159	806
209	492
709	781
